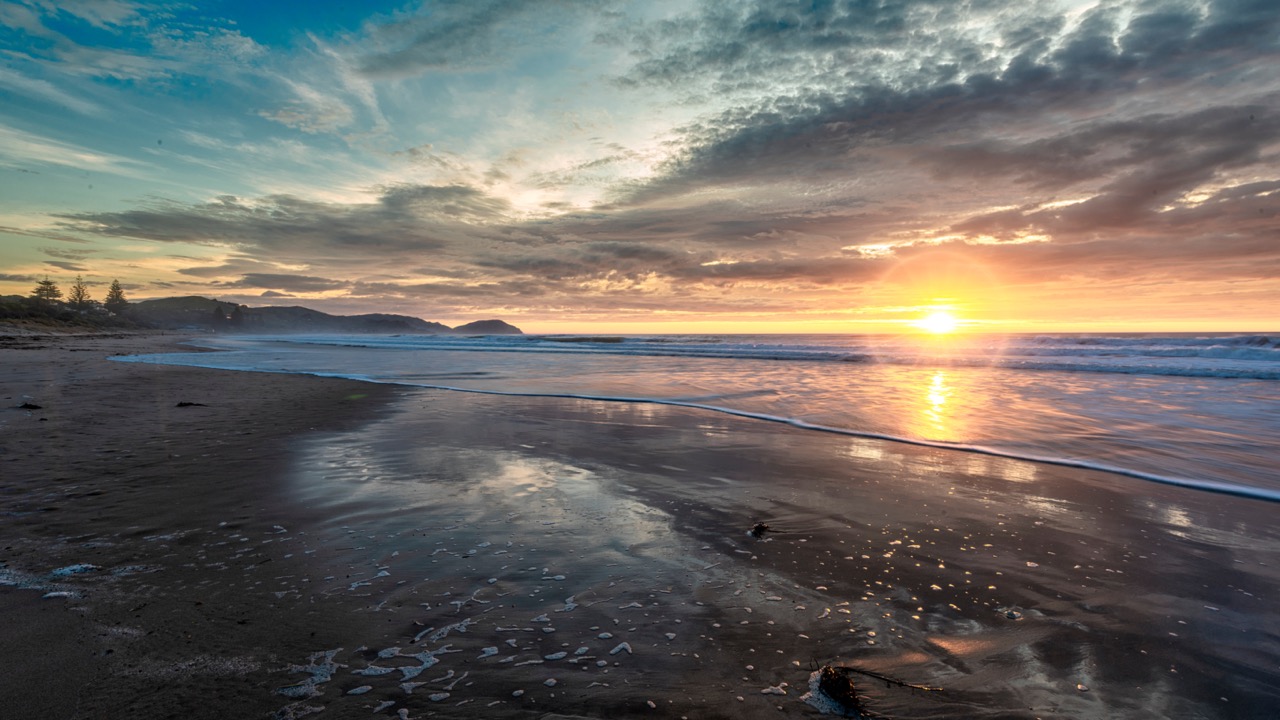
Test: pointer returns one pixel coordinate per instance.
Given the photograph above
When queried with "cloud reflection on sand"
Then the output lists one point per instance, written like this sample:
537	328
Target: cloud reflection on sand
552	525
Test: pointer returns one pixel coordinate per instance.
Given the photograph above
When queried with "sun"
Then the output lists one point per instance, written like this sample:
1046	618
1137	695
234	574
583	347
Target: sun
938	322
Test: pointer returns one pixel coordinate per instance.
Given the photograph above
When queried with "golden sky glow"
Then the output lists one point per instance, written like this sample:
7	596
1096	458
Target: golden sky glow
938	322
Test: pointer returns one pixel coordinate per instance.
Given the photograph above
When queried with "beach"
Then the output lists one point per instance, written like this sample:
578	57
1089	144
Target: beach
296	546
111	473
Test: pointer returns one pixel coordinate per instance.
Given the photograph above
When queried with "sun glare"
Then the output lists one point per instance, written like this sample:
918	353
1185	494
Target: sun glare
938	322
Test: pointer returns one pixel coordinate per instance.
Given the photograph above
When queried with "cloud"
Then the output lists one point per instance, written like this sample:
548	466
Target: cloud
847	120
288	283
233	266
747	151
403	218
79	254
47	91
64	265
464	35
313	111
102	14
18	146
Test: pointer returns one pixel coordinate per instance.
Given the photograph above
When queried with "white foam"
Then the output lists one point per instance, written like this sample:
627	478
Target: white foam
76	569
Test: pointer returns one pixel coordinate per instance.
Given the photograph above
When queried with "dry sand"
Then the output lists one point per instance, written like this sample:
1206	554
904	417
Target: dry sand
301	546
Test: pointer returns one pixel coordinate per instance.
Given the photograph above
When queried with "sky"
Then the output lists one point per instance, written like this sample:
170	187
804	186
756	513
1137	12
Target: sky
655	166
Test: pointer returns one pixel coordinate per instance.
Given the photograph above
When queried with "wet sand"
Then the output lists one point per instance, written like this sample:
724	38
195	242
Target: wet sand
174	508
391	549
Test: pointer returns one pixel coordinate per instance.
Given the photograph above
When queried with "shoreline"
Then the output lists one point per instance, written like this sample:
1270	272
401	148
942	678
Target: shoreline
363	518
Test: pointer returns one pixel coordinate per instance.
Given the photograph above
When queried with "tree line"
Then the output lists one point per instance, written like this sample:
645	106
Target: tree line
48	306
48	293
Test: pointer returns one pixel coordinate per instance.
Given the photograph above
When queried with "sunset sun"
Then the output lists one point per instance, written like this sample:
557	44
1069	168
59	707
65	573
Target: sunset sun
938	322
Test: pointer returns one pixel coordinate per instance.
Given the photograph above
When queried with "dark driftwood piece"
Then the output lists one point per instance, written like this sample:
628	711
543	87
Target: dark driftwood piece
836	683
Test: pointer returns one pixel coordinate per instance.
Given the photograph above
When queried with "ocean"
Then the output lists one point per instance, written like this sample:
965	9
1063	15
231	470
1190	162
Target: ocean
1197	410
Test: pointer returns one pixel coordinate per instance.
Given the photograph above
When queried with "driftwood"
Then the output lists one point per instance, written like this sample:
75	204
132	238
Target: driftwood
836	682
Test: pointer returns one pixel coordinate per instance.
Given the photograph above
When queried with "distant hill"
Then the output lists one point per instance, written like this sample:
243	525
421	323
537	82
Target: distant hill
488	327
195	312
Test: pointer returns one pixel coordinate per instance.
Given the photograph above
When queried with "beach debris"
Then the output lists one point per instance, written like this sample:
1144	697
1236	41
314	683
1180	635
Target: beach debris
625	646
1012	613
759	529
30	406
184	403
832	690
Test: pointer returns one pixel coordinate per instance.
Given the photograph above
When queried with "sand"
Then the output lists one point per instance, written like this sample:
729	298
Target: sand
314	547
110	472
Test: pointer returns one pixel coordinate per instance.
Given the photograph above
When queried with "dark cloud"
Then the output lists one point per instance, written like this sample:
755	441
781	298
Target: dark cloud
68	266
44	235
73	255
9	277
451	201
746	44
1144	164
404	218
827	128
234	266
288	283
807	270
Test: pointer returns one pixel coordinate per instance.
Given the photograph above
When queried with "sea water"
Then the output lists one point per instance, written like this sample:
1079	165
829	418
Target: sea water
1196	410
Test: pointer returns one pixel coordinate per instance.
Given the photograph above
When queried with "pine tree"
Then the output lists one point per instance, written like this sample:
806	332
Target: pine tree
115	302
78	296
46	291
